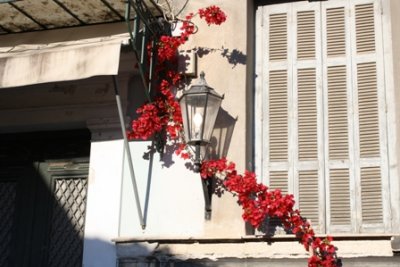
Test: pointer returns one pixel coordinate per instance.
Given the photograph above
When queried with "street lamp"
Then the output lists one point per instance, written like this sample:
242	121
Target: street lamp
200	105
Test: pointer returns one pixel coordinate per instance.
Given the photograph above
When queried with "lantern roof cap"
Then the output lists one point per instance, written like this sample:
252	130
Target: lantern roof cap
201	88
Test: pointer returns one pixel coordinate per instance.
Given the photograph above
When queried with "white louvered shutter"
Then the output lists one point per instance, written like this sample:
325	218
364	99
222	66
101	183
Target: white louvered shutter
338	124
371	169
292	105
277	98
355	139
321	99
307	112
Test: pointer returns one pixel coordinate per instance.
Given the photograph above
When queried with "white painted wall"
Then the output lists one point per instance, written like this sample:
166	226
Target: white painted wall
102	217
175	202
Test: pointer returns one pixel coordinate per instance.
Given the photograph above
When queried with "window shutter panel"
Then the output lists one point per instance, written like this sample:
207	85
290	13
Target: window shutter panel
323	112
339	177
307	111
278	88
307	145
338	164
373	207
294	105
354	118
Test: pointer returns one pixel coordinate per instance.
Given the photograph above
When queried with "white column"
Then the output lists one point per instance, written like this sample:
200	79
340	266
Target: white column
104	190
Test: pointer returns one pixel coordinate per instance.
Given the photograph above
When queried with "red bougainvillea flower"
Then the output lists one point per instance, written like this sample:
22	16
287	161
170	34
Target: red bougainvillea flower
258	203
164	114
167	47
212	15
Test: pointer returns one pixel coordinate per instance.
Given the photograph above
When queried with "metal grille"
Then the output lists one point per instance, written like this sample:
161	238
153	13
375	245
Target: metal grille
7	210
67	222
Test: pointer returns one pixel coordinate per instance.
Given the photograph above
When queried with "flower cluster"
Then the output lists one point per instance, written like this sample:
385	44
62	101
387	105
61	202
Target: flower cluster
148	123
258	203
167	48
164	114
212	15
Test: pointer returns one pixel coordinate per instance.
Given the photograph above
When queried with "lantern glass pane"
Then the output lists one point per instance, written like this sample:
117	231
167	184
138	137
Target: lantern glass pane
185	117
195	107
211	115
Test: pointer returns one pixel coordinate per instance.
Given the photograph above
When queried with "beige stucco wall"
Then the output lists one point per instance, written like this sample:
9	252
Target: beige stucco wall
225	43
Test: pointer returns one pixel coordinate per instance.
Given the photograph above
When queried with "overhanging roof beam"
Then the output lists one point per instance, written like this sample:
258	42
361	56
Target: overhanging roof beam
66	9
4	29
26	14
107	4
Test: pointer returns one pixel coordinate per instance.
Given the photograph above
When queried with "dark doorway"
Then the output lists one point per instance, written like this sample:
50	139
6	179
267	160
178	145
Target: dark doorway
43	188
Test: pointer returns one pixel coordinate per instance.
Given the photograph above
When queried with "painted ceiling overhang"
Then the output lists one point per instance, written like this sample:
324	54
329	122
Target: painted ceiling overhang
28	38
17	16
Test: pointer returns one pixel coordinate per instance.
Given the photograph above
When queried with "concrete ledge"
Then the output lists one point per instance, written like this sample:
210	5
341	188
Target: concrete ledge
261	262
395	242
263	250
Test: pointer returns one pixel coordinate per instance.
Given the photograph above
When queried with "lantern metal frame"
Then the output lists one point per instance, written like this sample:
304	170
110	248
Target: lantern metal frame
204	98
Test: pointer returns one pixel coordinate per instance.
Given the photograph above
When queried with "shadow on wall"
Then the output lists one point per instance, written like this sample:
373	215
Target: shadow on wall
136	97
234	57
151	255
99	253
221	136
146	254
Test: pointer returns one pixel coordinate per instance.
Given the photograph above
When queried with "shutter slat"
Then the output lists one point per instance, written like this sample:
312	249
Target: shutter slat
279	180
278	116
305	34
307	114
371	195
365	30
278	36
339	196
337	113
308	198
368	110
335	30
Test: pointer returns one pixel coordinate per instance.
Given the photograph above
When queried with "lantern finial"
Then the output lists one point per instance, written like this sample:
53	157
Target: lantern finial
202	78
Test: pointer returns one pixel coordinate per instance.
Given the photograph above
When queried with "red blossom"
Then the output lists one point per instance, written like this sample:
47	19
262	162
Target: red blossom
165	113
181	151
212	15
167	48
258	203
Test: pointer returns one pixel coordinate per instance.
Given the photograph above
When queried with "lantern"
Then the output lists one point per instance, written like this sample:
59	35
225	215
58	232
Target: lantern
199	105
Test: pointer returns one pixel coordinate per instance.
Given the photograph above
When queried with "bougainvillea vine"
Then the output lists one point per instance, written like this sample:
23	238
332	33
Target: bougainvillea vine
163	115
258	203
